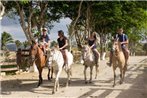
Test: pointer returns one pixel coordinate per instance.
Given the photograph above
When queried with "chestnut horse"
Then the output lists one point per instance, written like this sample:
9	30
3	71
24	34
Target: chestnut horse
40	60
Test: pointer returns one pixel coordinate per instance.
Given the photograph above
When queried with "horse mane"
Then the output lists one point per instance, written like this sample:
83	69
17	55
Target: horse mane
119	46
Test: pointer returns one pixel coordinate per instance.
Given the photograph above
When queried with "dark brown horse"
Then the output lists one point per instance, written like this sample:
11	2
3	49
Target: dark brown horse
40	60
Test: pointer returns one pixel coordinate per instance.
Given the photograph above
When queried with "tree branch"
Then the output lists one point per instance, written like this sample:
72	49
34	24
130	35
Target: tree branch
2	10
22	21
79	13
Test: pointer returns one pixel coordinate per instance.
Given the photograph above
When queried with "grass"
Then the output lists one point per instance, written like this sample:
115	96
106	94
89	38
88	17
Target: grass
8	66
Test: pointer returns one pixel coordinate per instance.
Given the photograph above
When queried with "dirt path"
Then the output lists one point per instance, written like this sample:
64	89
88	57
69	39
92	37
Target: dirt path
135	86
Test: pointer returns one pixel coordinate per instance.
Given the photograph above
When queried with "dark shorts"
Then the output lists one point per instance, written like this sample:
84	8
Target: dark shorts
94	47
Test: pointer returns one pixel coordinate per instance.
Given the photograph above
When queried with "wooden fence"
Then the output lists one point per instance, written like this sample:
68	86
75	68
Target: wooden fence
20	61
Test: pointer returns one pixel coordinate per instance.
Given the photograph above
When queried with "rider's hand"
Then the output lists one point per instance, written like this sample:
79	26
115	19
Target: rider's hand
121	43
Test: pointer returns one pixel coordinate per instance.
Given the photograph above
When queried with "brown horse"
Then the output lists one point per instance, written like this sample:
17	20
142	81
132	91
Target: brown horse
118	60
40	60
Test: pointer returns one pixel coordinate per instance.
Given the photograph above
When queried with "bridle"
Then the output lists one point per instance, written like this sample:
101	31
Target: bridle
86	52
34	57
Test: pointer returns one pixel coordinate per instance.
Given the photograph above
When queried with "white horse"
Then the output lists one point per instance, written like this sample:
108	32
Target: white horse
89	61
56	59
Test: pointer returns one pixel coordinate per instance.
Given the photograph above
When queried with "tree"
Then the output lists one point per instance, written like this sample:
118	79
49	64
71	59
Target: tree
25	44
2	10
18	43
53	43
34	14
145	48
6	38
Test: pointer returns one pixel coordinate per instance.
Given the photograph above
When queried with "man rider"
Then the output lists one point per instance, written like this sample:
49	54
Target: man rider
123	38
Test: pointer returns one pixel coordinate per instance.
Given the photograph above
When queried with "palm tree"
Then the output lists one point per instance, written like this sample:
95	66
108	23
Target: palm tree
25	44
6	38
18	43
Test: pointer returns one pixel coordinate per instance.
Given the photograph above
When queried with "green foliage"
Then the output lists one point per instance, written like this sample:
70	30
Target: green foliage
7	54
24	1
145	47
53	43
105	17
26	44
18	43
6	38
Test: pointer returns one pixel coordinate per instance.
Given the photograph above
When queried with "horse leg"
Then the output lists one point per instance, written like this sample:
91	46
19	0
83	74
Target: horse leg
85	68
121	75
56	83
91	68
96	69
52	71
114	75
49	70
126	54
124	71
40	77
68	77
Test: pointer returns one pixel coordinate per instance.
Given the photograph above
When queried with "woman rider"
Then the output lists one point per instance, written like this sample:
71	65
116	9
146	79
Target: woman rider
63	43
92	43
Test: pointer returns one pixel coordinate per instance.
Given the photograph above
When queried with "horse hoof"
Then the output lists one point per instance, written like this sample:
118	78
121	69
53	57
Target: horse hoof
90	82
113	85
38	85
120	82
69	82
53	92
86	82
49	79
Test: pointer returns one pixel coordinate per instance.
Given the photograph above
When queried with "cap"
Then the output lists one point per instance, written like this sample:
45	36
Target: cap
44	29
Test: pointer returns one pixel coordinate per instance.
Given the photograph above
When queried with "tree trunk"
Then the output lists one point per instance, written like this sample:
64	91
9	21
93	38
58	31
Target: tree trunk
73	24
22	21
2	10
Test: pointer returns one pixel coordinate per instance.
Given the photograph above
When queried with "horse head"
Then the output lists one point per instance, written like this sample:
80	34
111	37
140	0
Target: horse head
33	51
116	46
52	54
85	51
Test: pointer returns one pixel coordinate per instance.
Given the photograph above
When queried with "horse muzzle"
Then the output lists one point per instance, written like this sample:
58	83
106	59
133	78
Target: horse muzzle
32	58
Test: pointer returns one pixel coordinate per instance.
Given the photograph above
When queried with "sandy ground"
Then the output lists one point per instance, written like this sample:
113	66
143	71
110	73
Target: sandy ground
24	85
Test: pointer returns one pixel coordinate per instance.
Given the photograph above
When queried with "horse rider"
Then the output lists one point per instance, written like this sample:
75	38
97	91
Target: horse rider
44	40
63	44
92	44
123	38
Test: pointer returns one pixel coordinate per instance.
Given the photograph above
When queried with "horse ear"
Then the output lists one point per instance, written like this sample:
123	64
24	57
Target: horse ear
33	42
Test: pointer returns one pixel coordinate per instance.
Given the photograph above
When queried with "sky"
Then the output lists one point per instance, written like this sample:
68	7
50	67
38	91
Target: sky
13	27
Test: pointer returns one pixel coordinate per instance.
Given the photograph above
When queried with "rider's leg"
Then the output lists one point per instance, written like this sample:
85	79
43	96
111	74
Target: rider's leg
126	54
64	56
66	59
97	55
44	50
